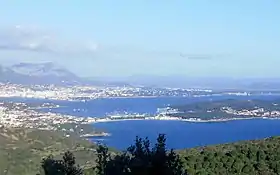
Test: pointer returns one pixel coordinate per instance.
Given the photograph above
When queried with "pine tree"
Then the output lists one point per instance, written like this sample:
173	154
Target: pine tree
69	162
140	159
102	159
66	166
52	167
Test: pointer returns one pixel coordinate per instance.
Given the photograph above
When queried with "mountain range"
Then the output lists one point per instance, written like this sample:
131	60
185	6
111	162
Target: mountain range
50	73
41	73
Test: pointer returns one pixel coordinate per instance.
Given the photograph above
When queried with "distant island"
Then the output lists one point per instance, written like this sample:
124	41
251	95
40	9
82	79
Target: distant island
209	111
227	110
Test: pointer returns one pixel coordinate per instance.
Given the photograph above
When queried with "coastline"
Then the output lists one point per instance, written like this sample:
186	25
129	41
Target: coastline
55	119
189	120
84	99
103	134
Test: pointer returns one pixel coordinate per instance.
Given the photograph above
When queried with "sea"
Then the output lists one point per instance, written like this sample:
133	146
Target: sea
179	134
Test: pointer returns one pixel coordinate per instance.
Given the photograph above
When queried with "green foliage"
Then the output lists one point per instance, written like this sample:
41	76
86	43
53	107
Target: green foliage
102	159
140	159
250	157
66	166
21	150
260	157
212	109
51	166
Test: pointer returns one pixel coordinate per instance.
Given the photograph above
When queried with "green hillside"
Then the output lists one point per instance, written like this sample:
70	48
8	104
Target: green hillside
257	157
249	157
21	150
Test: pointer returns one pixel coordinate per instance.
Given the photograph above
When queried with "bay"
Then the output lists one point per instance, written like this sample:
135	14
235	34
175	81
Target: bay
187	134
179	134
102	107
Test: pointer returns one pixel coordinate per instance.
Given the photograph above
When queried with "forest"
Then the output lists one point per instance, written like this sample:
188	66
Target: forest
249	157
256	157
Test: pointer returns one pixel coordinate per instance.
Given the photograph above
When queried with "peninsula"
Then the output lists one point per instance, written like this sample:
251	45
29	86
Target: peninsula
228	109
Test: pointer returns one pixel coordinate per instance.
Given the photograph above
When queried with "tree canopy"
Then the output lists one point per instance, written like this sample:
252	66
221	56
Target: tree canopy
139	159
259	157
66	166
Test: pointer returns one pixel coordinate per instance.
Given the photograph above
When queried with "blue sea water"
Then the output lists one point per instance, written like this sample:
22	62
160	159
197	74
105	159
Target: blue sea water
101	107
179	134
186	134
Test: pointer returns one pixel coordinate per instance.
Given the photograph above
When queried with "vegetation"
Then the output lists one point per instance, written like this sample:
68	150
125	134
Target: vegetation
21	150
212	109
139	159
259	157
250	157
66	166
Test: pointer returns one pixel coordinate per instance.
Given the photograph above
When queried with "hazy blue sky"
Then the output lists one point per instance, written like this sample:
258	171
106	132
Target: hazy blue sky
128	37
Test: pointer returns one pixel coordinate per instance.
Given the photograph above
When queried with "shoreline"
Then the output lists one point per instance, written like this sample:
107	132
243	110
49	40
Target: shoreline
190	120
51	120
180	120
77	99
96	98
103	134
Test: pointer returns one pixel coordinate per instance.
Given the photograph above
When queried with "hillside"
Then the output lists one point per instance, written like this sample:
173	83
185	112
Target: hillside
38	73
229	108
249	157
50	73
22	150
257	157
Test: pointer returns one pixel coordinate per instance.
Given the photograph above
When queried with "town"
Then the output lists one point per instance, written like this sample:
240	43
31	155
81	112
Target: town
258	112
74	93
29	115
24	115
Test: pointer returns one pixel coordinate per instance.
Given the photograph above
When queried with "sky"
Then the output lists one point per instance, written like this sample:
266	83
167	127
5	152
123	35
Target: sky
196	38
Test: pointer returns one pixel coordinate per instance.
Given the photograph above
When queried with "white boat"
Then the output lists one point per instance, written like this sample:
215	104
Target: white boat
167	110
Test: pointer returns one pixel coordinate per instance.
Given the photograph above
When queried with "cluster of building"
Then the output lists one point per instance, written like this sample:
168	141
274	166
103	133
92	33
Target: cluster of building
90	92
25	115
22	115
257	112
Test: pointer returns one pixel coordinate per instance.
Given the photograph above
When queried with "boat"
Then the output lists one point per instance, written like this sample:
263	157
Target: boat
167	110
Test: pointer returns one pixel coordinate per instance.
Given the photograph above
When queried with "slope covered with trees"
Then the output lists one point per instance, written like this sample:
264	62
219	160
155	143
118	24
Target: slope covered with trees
139	159
259	157
249	157
21	150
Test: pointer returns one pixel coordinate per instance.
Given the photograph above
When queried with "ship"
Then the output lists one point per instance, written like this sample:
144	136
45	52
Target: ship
167	110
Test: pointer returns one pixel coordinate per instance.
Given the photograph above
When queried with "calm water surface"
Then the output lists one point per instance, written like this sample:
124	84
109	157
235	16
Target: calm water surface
186	134
101	107
179	134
